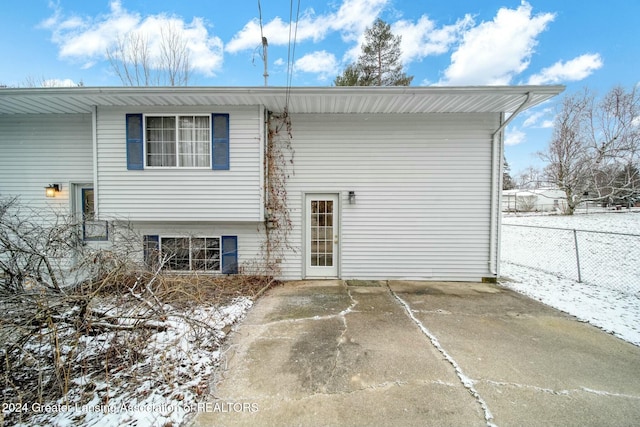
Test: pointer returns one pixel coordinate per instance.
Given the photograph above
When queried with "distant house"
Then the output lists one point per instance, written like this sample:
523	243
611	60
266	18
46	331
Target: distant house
385	182
536	200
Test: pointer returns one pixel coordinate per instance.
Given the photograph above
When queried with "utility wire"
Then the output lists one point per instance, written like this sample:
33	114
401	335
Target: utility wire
291	51
260	18
264	46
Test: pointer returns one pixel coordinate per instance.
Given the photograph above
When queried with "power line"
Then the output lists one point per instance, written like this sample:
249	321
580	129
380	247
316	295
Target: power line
291	50
265	46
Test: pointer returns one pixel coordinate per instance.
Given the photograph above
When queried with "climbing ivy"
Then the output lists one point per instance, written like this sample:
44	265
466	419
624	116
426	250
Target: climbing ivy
278	169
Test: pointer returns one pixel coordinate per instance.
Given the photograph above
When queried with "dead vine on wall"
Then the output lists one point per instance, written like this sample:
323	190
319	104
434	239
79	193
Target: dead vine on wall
278	168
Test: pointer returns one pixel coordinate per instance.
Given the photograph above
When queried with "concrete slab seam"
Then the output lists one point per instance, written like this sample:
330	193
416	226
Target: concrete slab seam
464	379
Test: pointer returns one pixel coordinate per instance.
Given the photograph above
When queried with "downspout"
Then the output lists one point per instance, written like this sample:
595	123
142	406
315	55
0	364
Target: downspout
94	135
263	145
496	177
265	164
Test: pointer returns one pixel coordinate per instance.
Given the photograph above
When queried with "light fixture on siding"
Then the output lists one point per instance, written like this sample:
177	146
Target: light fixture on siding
52	190
352	197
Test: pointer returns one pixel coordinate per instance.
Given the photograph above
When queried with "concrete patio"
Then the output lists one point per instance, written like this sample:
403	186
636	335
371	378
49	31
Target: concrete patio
362	353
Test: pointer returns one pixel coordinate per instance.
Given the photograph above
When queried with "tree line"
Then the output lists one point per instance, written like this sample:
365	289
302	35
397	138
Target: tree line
593	154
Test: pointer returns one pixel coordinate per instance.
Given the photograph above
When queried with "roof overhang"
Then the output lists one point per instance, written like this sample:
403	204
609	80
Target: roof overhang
336	100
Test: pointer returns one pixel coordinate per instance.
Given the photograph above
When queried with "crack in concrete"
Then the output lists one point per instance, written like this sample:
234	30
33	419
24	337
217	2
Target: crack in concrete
383	386
558	392
341	338
467	382
606	393
303	319
525	386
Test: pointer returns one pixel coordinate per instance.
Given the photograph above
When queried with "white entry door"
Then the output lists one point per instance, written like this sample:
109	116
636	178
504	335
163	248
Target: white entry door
322	235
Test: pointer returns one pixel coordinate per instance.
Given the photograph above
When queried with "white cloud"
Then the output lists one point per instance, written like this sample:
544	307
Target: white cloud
351	19
88	39
354	16
514	137
423	38
573	70
320	62
493	52
539	118
276	31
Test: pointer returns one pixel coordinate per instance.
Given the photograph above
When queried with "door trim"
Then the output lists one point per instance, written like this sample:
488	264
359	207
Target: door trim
307	271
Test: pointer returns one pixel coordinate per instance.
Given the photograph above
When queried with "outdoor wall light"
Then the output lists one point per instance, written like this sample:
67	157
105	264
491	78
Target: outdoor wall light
352	197
51	190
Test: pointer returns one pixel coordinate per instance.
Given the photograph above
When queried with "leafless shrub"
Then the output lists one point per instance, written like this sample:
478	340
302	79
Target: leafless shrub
33	249
99	332
64	342
526	203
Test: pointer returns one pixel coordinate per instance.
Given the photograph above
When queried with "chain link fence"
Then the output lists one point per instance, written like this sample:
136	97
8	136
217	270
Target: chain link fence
605	259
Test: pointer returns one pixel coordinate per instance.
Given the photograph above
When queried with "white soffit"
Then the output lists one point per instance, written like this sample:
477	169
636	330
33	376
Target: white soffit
330	100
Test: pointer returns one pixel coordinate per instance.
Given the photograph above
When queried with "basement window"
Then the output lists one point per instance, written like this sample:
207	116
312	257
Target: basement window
191	253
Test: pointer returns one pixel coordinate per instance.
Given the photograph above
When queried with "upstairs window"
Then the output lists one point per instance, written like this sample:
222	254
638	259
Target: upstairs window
178	141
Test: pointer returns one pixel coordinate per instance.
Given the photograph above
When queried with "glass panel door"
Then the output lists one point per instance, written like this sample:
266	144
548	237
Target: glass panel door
322	236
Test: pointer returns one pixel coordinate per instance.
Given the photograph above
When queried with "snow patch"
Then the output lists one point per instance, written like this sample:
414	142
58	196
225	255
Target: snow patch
171	377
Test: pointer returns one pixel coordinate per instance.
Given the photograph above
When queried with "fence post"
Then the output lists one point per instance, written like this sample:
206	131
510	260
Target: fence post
575	240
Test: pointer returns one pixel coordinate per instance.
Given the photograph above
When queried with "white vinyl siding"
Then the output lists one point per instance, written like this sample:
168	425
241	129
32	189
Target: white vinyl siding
38	150
181	194
422	186
43	149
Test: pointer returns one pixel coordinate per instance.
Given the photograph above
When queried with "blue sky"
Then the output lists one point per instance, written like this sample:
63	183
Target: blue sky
576	43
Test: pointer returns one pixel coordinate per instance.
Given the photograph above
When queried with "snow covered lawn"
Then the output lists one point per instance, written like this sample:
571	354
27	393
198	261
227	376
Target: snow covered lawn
611	306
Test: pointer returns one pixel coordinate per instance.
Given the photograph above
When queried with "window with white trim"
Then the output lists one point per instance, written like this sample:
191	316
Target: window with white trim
178	141
191	253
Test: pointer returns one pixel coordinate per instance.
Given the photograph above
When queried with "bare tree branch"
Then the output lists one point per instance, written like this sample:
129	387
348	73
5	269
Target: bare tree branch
136	64
593	155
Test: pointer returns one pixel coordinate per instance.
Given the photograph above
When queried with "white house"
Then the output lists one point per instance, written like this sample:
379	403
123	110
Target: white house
386	182
534	200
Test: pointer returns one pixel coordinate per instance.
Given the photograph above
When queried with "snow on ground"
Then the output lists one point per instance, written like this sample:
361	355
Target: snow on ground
611	306
614	312
623	221
170	378
611	260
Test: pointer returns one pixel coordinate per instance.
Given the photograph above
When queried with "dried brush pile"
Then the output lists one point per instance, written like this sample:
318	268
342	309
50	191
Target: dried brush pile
127	339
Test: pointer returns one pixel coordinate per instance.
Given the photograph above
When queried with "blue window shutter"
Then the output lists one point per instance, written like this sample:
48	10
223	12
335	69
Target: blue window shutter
230	254
135	148
220	141
151	247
